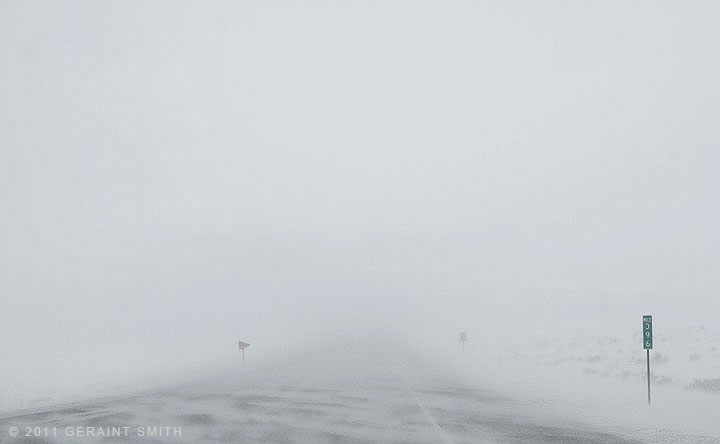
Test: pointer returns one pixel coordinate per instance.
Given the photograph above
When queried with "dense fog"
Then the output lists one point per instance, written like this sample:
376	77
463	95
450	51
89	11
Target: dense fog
318	176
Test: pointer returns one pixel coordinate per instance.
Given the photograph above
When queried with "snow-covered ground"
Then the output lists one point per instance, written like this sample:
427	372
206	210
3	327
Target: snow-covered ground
684	358
367	395
599	375
391	404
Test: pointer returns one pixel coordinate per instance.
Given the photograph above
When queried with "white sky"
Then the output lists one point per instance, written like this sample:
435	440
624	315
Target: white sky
174	175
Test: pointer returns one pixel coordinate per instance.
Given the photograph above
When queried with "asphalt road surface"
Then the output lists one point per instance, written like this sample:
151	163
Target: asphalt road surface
345	395
381	410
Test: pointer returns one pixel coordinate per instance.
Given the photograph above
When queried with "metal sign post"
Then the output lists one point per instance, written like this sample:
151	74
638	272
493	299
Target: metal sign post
242	346
648	345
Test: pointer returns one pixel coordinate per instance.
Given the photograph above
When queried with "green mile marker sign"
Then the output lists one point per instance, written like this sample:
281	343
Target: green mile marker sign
647	332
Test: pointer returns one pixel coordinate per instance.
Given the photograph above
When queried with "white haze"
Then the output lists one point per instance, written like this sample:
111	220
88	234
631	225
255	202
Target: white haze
175	176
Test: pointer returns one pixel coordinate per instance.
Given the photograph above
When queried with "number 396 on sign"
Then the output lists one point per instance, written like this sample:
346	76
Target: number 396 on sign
647	333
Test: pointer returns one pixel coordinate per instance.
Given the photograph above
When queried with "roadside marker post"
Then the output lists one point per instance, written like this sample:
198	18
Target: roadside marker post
648	345
242	346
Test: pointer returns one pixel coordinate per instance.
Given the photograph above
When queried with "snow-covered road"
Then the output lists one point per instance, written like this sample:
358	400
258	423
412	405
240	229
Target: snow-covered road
389	410
333	396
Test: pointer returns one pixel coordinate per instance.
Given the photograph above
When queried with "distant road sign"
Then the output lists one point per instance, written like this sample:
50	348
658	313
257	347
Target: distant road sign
463	337
243	345
647	332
